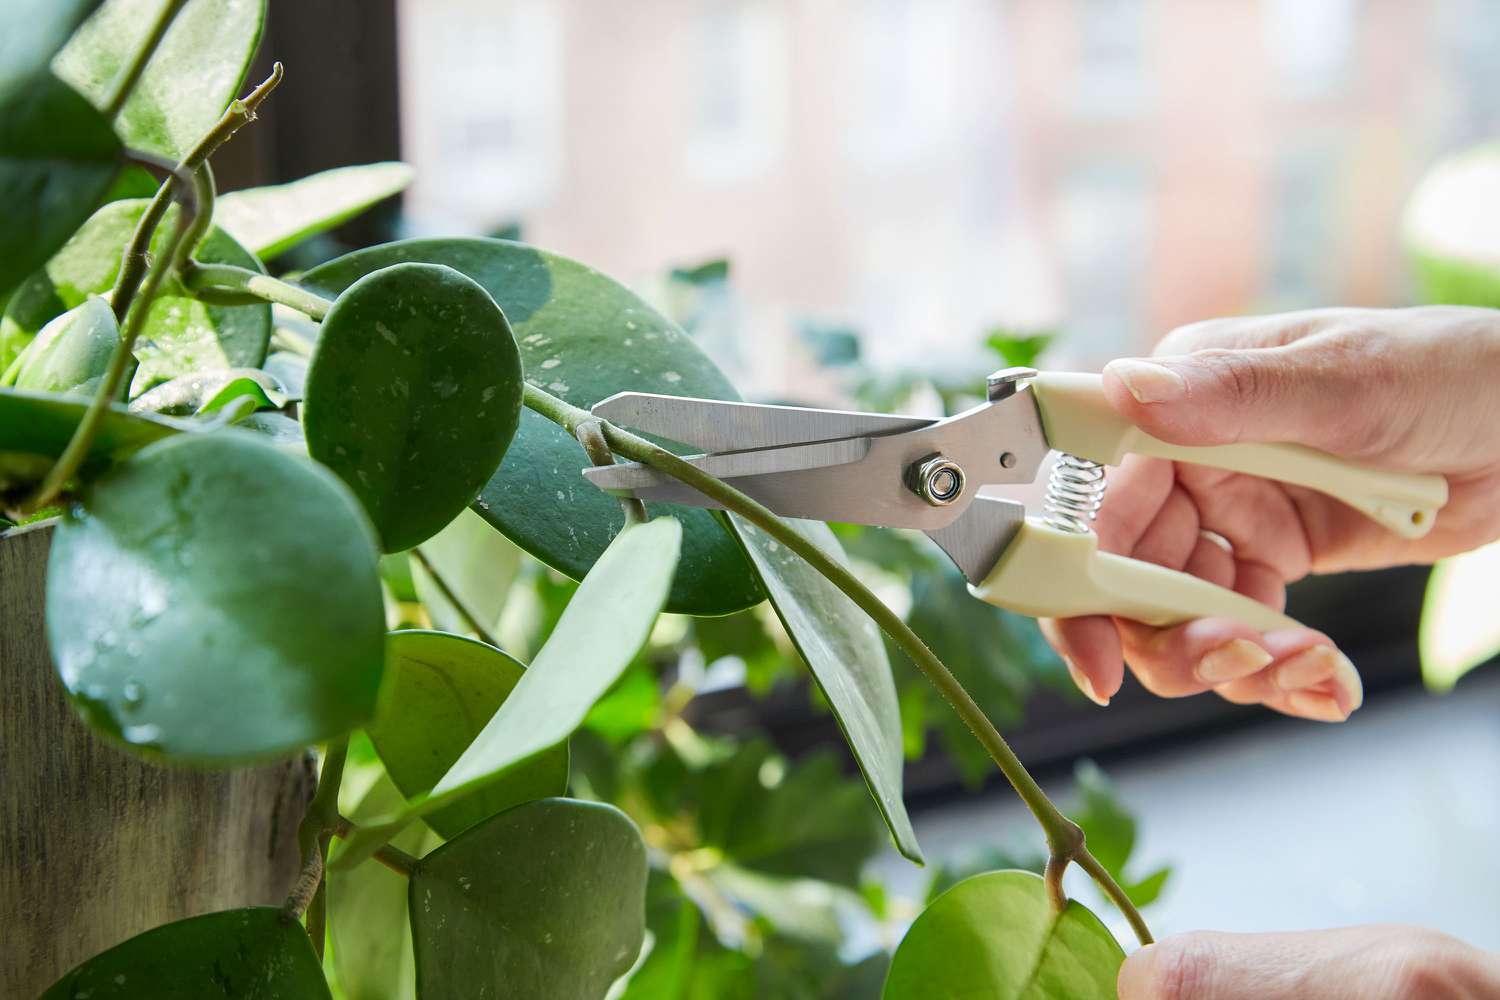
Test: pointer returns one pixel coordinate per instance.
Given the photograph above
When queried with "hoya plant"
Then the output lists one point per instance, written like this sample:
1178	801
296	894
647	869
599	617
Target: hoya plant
230	455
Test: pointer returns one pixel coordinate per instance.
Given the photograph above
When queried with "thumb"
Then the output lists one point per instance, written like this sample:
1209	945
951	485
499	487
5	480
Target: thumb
1222	396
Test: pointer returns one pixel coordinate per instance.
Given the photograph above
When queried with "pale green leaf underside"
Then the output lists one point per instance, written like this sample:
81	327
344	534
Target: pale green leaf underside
272	220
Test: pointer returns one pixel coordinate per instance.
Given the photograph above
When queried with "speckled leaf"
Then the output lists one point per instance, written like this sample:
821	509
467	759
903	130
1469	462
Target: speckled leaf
412	396
996	936
181	335
193	75
843	649
601	630
583	337
443	689
249	954
217	600
71	354
272	220
35	427
57	157
546	901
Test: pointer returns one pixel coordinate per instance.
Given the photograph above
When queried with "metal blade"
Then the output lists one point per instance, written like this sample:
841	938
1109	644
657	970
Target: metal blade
979	537
719	426
998	442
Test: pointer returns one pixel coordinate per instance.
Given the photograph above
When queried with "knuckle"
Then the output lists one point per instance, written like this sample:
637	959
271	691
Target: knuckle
1244	377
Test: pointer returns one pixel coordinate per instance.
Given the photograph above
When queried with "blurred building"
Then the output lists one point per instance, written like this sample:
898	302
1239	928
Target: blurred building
922	169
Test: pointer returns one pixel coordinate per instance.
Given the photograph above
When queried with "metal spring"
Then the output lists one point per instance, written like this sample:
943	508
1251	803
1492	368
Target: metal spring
1075	491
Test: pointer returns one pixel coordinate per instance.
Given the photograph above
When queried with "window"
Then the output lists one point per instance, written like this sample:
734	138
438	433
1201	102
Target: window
740	101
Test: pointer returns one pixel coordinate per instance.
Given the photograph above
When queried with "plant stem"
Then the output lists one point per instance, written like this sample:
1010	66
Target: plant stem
317	918
389	855
236	116
218	277
452	598
313	833
132	73
1065	839
591	437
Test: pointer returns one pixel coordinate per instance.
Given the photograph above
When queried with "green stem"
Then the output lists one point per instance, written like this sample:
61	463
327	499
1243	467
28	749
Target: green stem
1064	838
591	437
389	855
132	73
318	825
317	918
452	598
236	116
227	277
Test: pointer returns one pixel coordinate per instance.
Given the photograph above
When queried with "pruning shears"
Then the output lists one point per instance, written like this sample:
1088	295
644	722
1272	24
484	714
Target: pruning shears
934	475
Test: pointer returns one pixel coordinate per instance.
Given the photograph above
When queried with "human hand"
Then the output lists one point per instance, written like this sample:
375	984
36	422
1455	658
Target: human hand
1379	962
1416	390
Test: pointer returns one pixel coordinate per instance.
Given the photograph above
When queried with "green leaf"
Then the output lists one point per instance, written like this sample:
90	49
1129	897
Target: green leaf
192	76
217	600
544	901
181	335
57	157
478	565
443	690
582	337
1452	229
36	427
367	918
271	220
846	655
996	936
1459	628
71	354
284	432
1018	349
413	394
249	954
31	32
607	621
206	392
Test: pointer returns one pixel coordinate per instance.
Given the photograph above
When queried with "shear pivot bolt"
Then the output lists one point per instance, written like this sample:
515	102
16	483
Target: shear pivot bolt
937	480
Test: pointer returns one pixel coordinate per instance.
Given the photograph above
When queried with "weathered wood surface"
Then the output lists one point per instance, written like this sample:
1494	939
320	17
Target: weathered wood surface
97	845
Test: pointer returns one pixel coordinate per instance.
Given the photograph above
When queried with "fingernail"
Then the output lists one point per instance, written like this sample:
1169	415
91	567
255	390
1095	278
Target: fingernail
1084	684
1312	666
1317	706
1235	659
1149	382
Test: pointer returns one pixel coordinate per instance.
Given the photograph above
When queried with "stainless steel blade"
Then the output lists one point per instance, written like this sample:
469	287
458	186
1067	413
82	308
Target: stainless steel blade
734	464
719	426
998	442
977	539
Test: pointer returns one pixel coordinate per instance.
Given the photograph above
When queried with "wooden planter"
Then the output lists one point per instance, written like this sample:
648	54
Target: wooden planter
96	844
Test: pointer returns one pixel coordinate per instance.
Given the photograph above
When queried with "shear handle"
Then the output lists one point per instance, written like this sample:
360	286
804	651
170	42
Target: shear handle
1048	573
1079	420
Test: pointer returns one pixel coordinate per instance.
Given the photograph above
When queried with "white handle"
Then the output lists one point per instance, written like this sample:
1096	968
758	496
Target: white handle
1080	421
1048	573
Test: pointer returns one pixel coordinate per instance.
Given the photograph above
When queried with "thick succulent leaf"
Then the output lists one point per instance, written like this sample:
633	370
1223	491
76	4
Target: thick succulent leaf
443	689
31	32
249	954
57	157
205	392
477	565
1460	629
284	432
412	396
35	427
216	600
271	220
996	935
544	901
290	370
583	337
1452	230
606	623
193	75
71	354
846	655
367	920
181	335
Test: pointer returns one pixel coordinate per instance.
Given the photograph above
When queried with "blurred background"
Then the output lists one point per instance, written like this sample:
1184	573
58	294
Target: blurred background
877	202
